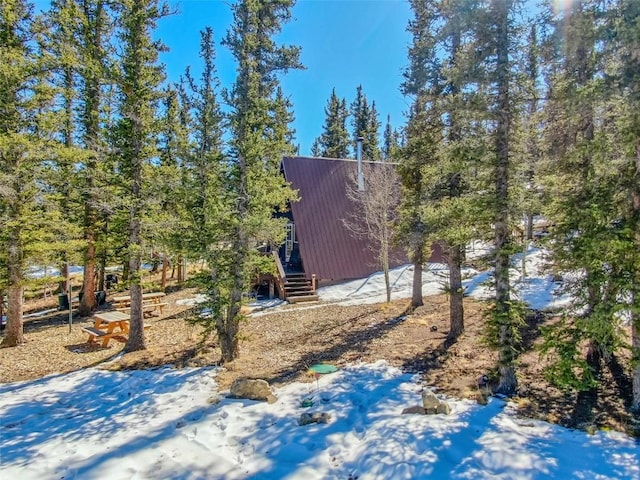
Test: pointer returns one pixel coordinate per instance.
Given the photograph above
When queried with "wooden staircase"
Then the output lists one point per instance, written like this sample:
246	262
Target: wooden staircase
299	289
295	287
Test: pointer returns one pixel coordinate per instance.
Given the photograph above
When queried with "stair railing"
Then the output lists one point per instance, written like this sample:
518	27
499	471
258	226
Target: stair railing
281	275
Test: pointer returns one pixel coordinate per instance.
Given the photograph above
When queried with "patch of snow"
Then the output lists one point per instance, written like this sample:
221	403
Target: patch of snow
199	298
168	423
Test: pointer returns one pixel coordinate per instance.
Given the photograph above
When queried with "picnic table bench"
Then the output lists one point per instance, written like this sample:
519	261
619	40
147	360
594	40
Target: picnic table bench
147	308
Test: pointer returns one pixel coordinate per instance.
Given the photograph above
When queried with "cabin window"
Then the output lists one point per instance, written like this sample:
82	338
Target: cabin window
289	241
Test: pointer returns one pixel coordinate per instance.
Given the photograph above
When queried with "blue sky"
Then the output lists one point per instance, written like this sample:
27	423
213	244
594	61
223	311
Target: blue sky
344	43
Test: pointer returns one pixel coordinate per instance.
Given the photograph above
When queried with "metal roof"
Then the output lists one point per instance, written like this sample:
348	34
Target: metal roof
327	248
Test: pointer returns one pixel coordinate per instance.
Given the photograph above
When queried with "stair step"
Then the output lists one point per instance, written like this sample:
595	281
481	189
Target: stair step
300	299
300	293
296	284
299	288
294	288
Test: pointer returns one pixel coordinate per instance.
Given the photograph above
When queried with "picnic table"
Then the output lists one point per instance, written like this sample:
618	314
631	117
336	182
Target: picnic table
150	302
108	325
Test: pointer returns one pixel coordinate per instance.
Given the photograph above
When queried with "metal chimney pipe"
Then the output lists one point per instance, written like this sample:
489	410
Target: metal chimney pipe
359	158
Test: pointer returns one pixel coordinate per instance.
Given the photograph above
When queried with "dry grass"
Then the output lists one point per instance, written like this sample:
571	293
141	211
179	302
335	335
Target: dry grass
281	345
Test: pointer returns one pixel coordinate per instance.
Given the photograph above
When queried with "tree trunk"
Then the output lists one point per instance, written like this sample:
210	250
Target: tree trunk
456	307
635	348
180	274
228	330
91	124
136	339
14	333
125	272
88	302
163	277
529	234
387	282
103	264
384	251
416	292
63	286
508	382
635	316
229	327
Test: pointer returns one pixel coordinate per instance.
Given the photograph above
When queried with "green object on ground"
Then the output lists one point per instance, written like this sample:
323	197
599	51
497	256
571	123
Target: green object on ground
307	402
323	368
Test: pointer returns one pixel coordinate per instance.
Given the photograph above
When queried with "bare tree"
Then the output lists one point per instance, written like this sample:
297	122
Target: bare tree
376	211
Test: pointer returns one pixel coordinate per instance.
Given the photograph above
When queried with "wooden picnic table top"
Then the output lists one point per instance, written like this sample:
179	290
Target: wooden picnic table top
145	296
112	316
117	324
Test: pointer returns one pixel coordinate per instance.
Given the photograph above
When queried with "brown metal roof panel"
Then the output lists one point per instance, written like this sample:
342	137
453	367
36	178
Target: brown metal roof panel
327	248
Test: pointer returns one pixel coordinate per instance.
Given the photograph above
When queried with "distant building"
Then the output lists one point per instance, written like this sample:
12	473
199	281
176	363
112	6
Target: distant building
318	243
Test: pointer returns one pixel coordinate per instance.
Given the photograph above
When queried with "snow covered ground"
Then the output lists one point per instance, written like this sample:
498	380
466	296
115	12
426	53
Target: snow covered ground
176	424
537	288
173	424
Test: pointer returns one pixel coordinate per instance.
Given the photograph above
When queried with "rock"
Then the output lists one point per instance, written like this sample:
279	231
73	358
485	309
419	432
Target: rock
252	389
429	400
482	398
313	417
415	410
444	408
434	328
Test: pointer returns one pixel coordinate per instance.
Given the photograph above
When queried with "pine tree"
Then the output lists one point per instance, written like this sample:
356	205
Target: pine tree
390	142
532	131
628	13
257	145
169	183
440	138
26	145
506	320
365	126
204	160
92	40
139	84
334	140
370	145
420	144
583	189
315	148
59	29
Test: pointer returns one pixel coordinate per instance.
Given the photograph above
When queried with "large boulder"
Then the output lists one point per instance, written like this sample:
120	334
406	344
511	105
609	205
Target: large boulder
415	410
252	389
433	405
444	408
429	400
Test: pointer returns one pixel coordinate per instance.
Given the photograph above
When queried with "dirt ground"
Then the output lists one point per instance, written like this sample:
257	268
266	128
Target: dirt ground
280	345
